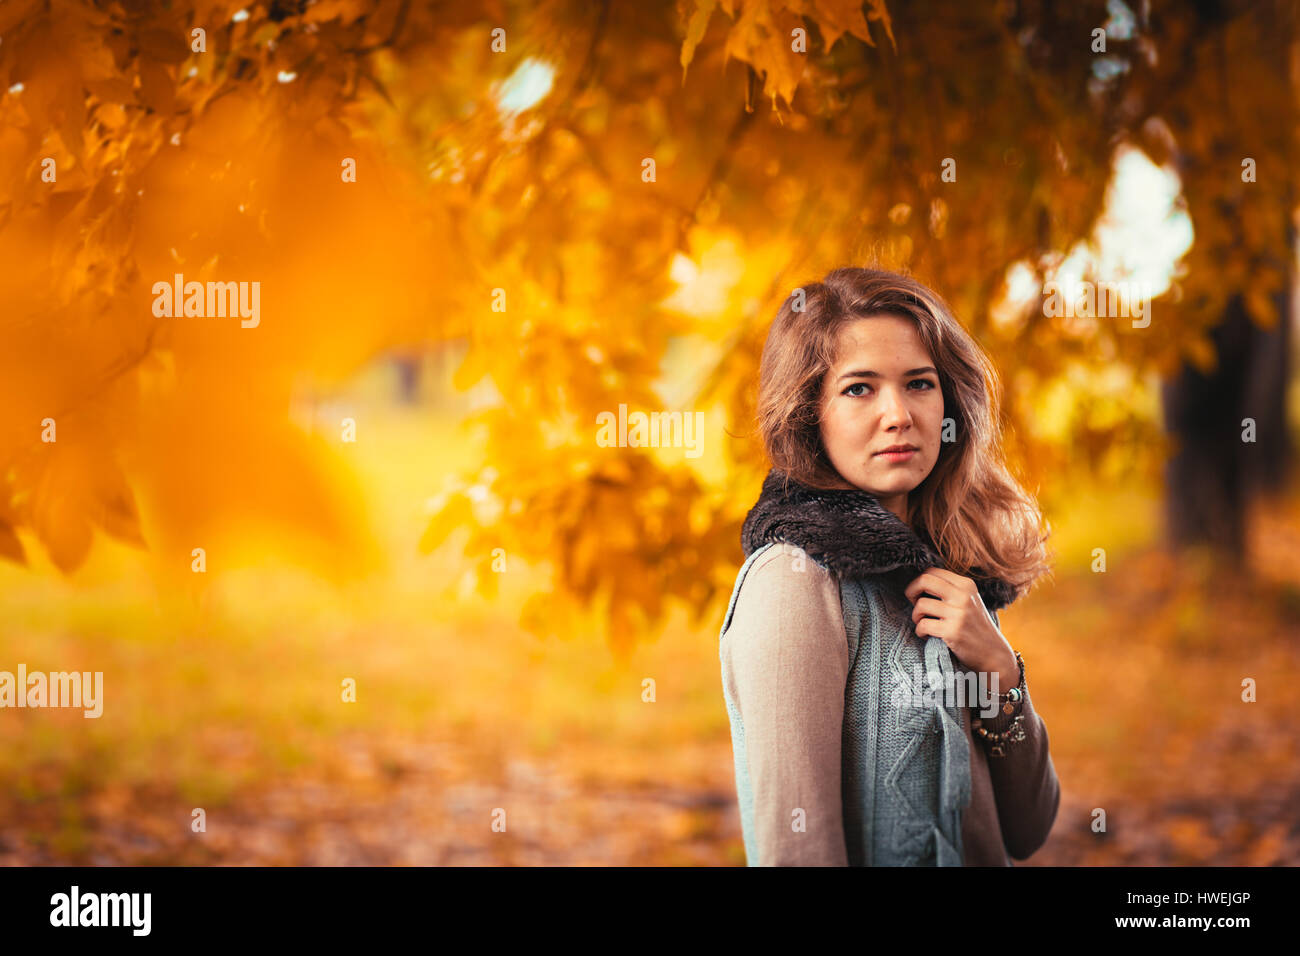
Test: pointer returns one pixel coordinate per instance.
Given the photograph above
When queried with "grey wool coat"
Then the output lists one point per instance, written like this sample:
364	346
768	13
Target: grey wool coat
816	643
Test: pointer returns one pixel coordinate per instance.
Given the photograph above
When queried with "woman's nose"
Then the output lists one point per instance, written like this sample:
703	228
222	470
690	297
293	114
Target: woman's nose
894	409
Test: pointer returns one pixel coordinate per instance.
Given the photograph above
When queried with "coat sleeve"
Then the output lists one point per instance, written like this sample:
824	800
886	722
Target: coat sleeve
1024	780
785	660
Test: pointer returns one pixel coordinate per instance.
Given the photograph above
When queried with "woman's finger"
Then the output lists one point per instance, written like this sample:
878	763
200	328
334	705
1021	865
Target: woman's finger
930	607
927	582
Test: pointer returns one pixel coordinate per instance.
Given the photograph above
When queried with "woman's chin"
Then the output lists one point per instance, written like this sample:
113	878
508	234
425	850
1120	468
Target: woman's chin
894	483
881	489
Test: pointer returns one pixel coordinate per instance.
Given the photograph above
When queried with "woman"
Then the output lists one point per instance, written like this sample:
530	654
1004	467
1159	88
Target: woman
887	536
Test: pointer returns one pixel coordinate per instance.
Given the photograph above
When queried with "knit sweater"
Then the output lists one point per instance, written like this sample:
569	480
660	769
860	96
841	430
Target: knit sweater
816	642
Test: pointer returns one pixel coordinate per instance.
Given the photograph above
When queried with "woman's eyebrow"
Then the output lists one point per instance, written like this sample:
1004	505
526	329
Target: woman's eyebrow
865	373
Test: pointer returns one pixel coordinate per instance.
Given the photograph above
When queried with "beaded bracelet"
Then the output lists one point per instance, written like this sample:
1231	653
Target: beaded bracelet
1013	734
1010	702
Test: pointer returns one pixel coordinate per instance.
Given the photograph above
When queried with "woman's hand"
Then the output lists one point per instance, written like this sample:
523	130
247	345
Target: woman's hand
957	616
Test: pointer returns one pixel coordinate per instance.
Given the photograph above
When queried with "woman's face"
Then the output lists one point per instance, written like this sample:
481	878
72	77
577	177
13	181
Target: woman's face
883	390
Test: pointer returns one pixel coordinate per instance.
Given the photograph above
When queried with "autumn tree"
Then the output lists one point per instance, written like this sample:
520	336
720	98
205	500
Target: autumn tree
1221	106
585	195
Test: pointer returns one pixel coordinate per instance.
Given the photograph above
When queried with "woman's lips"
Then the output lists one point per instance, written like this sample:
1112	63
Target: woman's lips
897	456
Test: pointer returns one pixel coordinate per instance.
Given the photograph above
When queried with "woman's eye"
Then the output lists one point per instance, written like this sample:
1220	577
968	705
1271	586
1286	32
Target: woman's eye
916	381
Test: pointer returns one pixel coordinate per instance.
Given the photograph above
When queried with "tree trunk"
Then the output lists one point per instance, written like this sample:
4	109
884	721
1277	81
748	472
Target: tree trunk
1216	472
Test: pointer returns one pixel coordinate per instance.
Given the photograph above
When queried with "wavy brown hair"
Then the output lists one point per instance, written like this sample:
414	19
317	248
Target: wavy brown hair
975	513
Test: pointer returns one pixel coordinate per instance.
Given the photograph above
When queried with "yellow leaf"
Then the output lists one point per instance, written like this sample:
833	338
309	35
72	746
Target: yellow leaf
473	368
694	28
878	12
762	39
835	17
63	529
266	33
117	511
1261	307
62	501
457	513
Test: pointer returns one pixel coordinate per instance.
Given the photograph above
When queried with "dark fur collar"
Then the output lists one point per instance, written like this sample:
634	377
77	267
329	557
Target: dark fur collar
850	534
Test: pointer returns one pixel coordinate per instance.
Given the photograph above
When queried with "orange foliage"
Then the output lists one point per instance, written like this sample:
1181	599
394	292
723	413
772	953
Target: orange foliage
538	235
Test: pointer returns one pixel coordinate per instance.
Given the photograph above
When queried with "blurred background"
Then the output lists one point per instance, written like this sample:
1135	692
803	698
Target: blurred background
480	227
